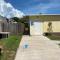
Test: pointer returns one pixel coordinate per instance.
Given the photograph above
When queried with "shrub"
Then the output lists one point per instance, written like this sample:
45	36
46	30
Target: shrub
47	34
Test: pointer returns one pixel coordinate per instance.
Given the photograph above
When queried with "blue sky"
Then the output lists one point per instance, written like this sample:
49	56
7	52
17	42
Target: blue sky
37	6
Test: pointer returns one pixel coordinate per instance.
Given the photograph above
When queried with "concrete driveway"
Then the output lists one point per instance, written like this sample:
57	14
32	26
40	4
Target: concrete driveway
37	48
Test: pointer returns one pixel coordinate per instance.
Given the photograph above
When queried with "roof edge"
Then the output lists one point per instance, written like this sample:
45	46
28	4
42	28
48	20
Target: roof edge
41	14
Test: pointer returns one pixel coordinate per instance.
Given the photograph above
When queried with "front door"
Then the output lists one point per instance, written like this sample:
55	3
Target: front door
36	28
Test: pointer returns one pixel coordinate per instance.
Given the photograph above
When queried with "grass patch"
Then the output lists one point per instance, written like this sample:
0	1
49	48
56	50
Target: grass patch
10	46
54	37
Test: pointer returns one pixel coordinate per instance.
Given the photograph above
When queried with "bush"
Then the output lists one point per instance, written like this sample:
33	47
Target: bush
47	34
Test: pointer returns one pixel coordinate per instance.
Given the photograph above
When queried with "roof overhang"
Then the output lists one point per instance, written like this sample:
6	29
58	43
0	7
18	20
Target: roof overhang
45	17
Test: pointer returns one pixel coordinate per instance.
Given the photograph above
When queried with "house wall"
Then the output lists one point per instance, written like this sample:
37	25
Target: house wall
55	26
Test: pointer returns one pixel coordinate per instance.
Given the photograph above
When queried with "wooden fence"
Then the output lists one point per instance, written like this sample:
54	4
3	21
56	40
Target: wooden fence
13	28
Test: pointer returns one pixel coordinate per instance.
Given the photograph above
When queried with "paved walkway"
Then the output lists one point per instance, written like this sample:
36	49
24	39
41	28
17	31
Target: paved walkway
38	48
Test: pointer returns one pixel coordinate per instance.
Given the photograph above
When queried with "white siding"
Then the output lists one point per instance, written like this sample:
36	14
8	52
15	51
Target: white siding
36	28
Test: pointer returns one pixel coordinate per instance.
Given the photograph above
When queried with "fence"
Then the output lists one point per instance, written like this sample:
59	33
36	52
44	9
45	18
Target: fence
13	28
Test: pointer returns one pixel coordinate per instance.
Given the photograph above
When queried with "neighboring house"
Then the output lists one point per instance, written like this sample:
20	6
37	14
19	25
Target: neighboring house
2	33
40	24
31	25
2	21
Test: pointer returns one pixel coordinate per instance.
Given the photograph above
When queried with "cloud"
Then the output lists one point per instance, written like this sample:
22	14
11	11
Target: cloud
55	1
7	10
50	7
43	6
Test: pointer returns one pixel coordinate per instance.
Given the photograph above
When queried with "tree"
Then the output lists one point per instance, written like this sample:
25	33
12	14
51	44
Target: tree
49	27
19	20
16	19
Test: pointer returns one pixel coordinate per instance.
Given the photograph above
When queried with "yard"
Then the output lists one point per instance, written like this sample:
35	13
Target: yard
10	46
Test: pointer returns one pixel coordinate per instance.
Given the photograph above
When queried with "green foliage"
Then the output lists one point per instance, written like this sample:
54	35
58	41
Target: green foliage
49	24
10	45
12	42
49	29
16	19
54	37
47	34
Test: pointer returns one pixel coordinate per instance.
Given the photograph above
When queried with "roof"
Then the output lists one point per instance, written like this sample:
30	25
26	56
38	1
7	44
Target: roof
2	19
45	17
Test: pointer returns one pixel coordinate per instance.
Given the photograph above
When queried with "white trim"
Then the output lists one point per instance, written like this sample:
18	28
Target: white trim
41	14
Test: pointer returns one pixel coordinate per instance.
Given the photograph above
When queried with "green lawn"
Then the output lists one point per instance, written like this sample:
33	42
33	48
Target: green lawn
10	46
54	37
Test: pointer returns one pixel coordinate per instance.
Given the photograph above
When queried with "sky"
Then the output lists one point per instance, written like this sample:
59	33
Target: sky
9	11
36	6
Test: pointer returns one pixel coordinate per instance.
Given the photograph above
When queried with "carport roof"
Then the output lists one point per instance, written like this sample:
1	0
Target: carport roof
45	17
